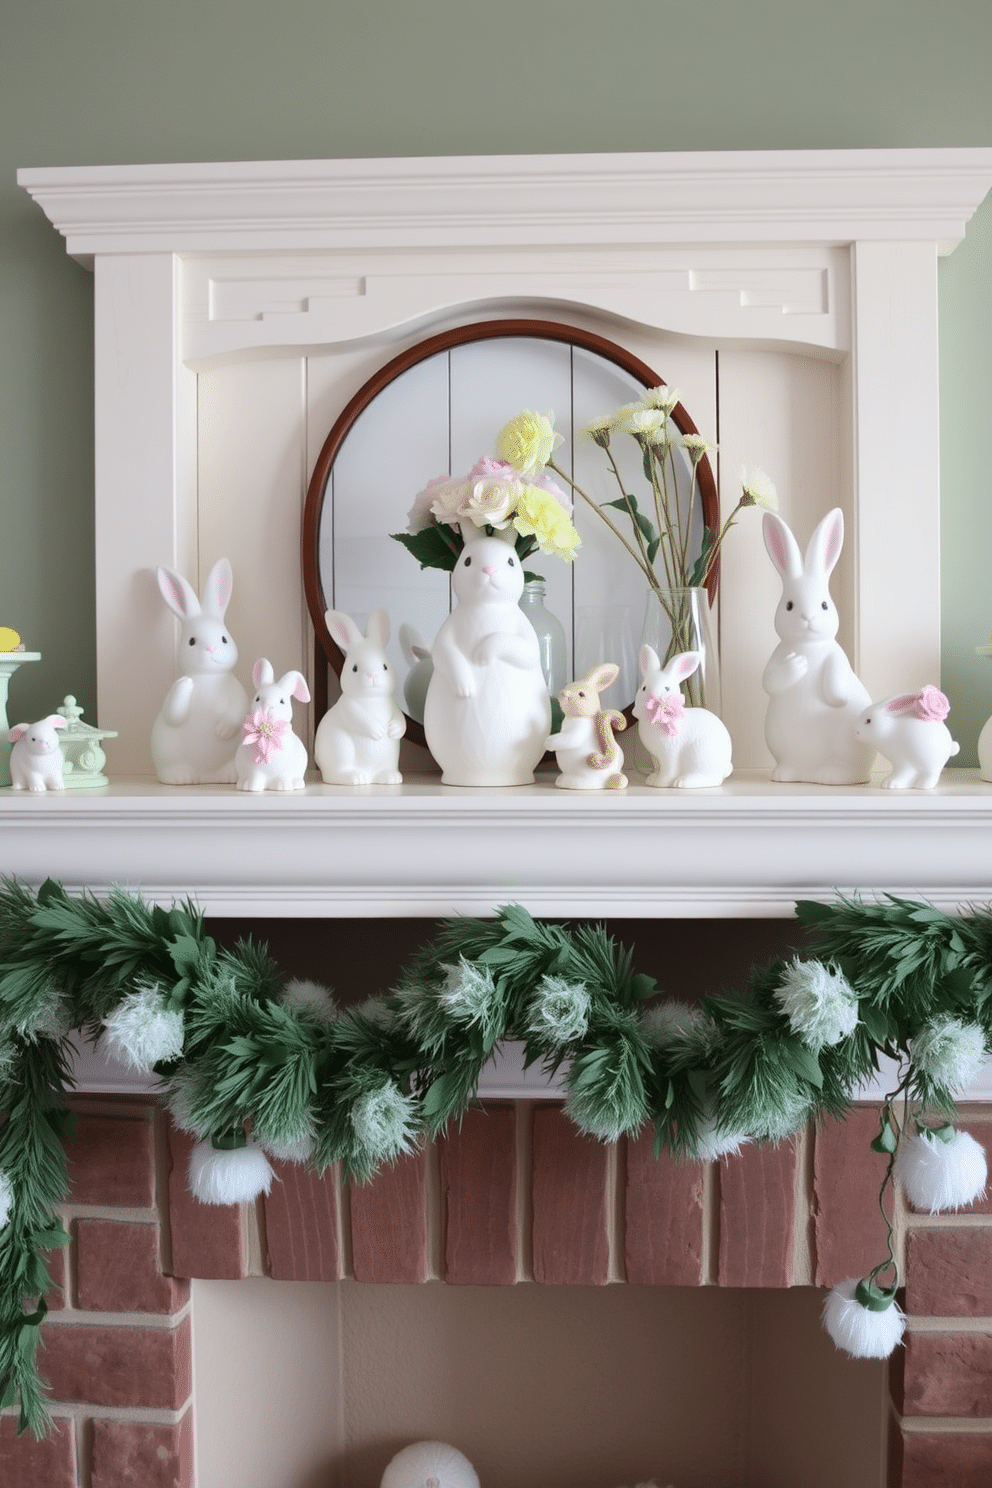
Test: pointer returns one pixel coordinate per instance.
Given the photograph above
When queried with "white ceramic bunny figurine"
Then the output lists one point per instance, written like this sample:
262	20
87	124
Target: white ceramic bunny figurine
691	747
358	738
194	737
271	756
909	731
488	712
417	680
36	760
814	697
589	757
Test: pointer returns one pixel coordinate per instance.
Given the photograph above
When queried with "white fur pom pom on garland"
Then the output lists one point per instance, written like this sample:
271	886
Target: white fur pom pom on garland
430	1464
6	1199
863	1320
941	1168
235	1175
142	1030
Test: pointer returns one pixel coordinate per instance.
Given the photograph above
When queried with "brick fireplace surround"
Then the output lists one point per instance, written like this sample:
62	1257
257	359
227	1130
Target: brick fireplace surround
118	1340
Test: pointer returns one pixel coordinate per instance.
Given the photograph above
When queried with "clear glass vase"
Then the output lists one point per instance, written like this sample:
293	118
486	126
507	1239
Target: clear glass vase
551	638
677	620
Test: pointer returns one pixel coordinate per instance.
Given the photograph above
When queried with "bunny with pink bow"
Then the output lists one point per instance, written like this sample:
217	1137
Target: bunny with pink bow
690	747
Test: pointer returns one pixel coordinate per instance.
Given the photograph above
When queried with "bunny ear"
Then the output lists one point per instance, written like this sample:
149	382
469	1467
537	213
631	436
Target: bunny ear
218	588
901	704
262	673
177	594
377	629
343	630
600	677
18	732
57	721
648	660
296	683
824	546
782	547
684	664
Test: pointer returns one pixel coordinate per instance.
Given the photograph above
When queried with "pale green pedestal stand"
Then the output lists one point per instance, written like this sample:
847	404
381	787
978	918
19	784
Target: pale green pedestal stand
79	743
9	662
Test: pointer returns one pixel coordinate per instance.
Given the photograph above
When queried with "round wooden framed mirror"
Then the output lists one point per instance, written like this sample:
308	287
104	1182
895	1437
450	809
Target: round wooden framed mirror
437	407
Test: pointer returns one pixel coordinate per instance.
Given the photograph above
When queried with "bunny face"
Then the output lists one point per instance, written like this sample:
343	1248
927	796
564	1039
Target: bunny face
206	646
366	671
277	696
806	612
487	572
580	699
660	682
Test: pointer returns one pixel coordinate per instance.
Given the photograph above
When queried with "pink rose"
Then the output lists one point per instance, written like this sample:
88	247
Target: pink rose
931	704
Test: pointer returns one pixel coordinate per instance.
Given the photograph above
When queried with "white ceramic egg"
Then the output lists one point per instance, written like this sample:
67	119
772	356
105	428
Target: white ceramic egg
430	1464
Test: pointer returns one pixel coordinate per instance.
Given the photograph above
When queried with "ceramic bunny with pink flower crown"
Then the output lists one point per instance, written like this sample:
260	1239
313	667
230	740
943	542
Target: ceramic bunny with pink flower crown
909	731
814	697
270	755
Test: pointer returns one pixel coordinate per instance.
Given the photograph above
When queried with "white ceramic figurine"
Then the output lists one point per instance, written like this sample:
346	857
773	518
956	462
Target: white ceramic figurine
814	697
588	755
417	681
270	756
358	738
488	712
194	737
909	731
691	747
36	760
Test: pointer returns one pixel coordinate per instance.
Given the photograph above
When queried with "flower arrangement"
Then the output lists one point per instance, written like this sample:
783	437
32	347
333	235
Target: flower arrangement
497	495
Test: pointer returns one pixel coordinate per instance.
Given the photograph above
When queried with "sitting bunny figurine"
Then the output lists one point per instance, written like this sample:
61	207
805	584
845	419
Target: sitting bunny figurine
36	760
589	757
358	739
909	731
194	736
271	757
814	697
691	747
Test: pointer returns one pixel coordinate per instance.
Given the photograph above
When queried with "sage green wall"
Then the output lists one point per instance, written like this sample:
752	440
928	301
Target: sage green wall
101	81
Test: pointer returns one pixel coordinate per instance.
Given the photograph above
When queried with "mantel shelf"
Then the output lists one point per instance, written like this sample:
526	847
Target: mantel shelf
748	849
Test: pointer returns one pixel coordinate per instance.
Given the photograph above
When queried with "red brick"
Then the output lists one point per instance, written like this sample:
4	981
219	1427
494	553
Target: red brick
479	1184
301	1225
145	1367
757	1216
948	1374
982	1132
946	1459
847	1176
949	1271
571	1203
117	1269
112	1162
26	1463
152	1456
663	1202
389	1224
208	1240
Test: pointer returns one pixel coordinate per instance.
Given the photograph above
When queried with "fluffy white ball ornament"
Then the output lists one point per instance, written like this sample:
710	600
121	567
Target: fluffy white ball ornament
229	1175
141	1030
941	1168
430	1464
863	1319
6	1199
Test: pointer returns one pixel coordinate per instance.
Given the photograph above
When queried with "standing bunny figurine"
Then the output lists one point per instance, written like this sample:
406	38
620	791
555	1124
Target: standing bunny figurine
194	736
488	712
589	757
358	739
36	761
814	697
910	732
271	757
691	747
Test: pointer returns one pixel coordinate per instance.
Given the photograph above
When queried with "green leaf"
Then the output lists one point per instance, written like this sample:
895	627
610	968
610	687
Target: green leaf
647	528
803	1061
435	547
698	575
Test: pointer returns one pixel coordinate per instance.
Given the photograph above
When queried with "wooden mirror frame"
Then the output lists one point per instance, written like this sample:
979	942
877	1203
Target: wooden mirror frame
325	649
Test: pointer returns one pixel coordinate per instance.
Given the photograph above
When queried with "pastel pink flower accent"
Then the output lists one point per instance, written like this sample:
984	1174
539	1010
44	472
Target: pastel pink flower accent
489	469
266	733
666	713
930	703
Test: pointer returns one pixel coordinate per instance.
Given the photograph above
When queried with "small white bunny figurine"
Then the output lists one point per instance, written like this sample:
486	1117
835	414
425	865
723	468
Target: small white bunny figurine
909	731
417	680
691	747
36	760
488	712
194	737
271	756
358	739
814	697
589	757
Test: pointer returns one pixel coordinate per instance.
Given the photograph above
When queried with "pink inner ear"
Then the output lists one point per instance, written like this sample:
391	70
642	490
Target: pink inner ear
301	691
834	543
900	704
172	591
17	732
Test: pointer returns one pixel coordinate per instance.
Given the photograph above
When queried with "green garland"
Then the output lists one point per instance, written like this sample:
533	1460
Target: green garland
233	1043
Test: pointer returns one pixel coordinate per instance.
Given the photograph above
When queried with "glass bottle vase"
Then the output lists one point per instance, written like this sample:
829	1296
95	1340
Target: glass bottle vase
677	620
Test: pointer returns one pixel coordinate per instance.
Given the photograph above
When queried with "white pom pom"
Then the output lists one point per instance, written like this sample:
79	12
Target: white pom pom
430	1464
820	1004
6	1199
235	1176
310	999
711	1143
141	1030
299	1150
940	1170
858	1330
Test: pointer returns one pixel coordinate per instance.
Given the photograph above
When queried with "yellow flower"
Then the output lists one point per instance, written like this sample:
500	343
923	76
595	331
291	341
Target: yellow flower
758	490
644	423
528	441
661	397
540	515
695	446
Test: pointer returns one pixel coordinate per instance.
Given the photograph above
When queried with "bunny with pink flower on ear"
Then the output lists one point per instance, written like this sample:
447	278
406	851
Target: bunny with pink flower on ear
814	697
909	731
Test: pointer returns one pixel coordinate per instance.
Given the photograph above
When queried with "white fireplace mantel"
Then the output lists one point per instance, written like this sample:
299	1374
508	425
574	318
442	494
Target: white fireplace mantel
825	255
